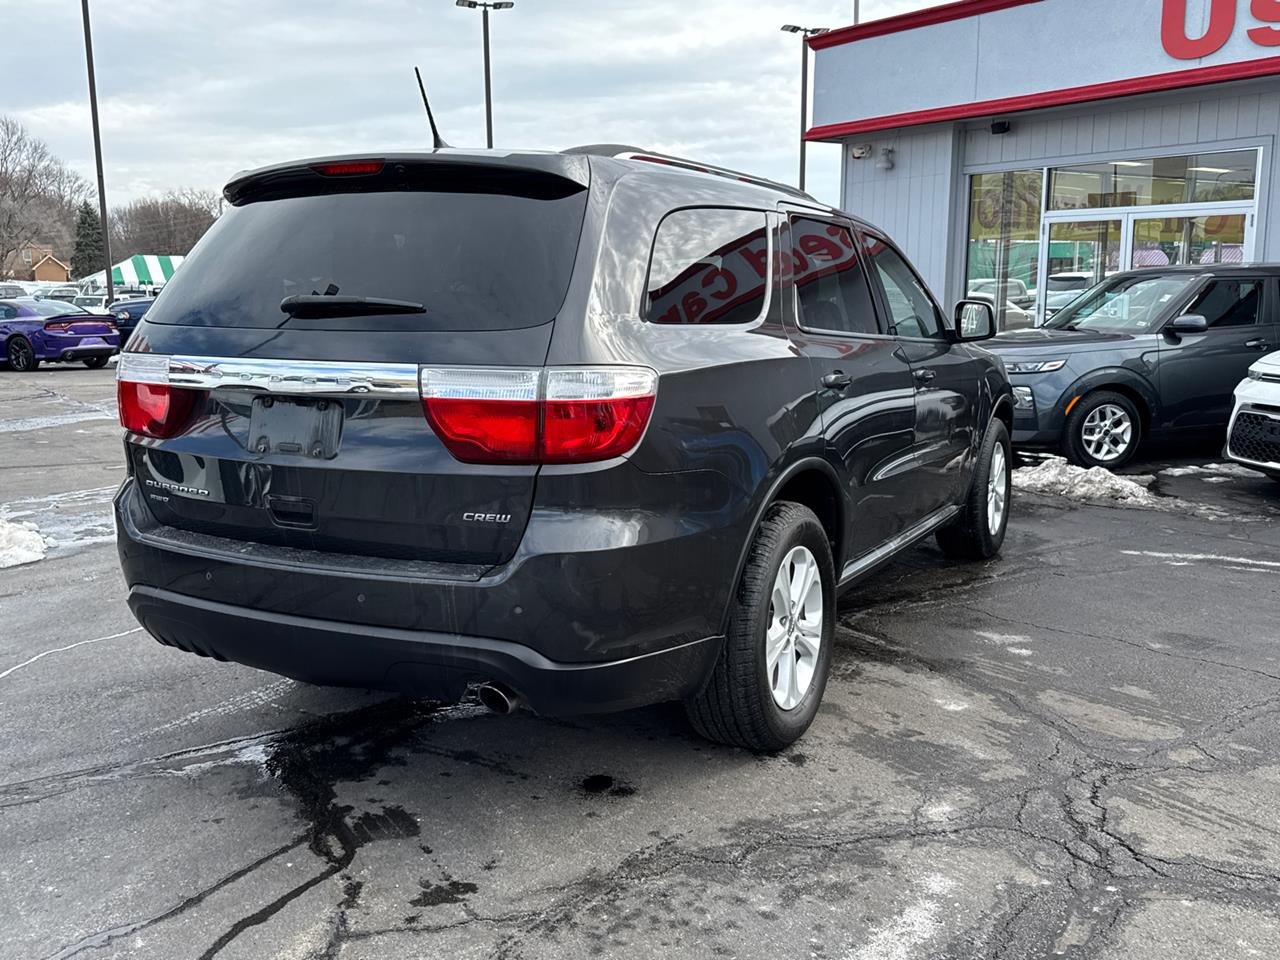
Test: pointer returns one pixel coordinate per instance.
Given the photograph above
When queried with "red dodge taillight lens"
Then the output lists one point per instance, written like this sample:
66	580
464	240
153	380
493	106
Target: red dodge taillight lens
595	413
148	404
559	415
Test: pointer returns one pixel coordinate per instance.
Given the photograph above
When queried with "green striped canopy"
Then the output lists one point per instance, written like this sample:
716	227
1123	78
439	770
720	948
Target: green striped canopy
142	269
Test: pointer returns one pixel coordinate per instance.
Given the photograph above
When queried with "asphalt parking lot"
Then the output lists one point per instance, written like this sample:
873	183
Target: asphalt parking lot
1068	752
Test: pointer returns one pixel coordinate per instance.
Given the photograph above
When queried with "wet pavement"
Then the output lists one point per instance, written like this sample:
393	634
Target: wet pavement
1071	751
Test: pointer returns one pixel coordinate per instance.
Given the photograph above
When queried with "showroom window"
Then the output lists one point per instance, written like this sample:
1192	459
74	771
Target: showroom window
1004	243
1204	178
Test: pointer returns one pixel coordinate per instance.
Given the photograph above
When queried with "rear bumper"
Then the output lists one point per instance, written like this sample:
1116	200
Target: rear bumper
587	617
420	664
85	353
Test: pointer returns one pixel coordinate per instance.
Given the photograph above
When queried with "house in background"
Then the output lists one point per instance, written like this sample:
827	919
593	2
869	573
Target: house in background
50	268
35	261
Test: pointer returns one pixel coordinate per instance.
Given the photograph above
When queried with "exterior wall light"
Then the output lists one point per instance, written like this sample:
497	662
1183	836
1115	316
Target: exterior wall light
886	159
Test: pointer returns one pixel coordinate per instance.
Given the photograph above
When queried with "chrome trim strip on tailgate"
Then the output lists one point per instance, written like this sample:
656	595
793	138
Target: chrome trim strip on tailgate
312	378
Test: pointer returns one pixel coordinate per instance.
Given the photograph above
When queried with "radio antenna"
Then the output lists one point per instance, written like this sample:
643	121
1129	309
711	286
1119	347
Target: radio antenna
437	140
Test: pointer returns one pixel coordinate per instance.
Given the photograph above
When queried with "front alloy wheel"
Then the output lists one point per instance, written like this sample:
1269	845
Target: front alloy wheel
997	488
1103	430
1107	433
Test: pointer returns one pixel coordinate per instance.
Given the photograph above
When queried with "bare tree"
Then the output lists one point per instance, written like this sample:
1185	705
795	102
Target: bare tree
170	224
38	193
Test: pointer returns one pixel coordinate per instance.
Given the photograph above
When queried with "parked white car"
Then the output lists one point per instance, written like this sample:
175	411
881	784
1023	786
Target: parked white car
94	303
1254	435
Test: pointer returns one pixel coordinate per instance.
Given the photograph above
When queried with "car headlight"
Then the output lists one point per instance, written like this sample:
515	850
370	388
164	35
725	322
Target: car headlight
1034	366
1255	374
1023	398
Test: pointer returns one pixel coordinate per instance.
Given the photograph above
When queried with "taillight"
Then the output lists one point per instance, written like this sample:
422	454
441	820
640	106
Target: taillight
148	404
595	413
522	415
57	325
484	415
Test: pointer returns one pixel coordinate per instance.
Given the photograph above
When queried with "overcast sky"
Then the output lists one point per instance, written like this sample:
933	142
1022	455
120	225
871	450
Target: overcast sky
190	92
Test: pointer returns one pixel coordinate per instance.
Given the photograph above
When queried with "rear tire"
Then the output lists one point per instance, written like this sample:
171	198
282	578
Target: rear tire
979	532
1104	430
95	363
21	355
768	683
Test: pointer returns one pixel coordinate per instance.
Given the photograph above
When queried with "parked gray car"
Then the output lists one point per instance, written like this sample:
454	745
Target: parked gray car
1153	352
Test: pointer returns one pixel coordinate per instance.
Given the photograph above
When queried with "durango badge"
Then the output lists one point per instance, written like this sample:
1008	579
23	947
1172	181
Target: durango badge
177	488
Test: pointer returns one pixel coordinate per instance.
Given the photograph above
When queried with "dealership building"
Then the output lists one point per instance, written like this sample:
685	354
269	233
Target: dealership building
1021	147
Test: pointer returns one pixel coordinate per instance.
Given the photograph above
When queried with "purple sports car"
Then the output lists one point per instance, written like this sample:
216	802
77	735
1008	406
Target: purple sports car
36	330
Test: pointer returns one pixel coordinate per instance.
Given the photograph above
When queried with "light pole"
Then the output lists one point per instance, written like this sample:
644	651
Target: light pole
97	151
488	86
805	34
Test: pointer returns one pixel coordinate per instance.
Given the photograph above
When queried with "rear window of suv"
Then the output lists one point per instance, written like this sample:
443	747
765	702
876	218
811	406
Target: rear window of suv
474	260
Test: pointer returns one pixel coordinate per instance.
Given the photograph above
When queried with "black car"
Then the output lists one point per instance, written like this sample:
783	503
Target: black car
581	431
1148	353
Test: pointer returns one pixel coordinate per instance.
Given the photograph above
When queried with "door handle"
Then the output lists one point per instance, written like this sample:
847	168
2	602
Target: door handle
837	381
925	375
1258	344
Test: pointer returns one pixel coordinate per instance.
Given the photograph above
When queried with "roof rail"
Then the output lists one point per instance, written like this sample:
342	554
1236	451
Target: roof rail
621	152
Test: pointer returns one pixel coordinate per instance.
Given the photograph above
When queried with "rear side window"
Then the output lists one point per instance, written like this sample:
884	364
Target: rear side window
709	266
1230	303
832	292
474	260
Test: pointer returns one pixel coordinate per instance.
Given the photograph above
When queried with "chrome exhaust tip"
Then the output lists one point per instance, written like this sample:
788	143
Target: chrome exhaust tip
498	698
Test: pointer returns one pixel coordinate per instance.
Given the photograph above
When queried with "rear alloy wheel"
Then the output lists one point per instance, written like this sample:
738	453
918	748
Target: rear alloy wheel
768	683
95	363
21	355
1104	430
979	532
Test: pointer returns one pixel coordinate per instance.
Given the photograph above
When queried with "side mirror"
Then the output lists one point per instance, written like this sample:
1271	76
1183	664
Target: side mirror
975	320
1188	323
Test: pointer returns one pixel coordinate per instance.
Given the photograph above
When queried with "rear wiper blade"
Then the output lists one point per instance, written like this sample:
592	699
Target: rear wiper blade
321	305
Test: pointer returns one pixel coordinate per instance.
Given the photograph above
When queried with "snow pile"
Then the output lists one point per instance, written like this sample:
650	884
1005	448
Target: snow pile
20	543
1057	476
1213	472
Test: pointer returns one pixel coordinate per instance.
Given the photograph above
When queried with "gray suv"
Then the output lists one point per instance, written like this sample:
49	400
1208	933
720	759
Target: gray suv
1149	353
579	431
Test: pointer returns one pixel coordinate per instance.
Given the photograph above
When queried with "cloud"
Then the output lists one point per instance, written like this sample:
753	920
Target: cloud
191	92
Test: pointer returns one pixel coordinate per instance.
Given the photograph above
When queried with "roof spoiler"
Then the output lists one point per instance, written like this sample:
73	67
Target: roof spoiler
549	174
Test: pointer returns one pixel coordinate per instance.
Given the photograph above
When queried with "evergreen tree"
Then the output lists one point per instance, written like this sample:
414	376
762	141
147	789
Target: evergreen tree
86	258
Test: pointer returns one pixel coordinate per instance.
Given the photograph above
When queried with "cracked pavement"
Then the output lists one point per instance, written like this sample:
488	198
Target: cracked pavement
1068	752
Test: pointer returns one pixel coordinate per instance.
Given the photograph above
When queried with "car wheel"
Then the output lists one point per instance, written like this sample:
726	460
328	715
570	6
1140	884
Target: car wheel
21	355
1104	430
95	363
978	533
768	683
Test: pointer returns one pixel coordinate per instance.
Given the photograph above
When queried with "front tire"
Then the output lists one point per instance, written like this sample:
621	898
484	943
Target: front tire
768	683
979	532
1104	430
95	363
21	355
